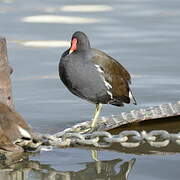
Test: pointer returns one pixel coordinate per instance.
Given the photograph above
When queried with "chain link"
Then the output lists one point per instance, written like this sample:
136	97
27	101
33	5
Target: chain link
128	139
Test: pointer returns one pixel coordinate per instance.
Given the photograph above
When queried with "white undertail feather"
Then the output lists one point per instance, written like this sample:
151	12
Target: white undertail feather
110	94
24	132
132	98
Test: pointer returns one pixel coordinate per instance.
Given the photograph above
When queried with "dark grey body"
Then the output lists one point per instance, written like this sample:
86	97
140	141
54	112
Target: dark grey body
94	75
82	78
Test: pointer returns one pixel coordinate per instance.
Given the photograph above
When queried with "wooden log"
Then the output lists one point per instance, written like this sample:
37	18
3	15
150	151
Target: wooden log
5	80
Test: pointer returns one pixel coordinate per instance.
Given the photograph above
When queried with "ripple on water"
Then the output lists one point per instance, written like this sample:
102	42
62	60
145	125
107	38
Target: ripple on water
79	8
44	44
60	19
87	8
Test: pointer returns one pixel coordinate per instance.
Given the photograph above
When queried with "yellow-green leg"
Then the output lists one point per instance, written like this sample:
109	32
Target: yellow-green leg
90	128
96	115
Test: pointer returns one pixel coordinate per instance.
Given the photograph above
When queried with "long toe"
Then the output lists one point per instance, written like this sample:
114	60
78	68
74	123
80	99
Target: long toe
82	129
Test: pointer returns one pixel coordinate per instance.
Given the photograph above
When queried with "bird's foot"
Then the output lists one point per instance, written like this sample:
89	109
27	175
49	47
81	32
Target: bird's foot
83	129
86	130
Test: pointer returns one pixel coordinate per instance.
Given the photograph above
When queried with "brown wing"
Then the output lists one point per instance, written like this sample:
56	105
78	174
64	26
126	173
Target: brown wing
114	73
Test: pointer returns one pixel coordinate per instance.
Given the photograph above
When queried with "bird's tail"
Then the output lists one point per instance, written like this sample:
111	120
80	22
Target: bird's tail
132	98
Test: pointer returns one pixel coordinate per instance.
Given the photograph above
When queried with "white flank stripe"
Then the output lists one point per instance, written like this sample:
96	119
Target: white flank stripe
99	68
101	71
23	132
110	94
107	84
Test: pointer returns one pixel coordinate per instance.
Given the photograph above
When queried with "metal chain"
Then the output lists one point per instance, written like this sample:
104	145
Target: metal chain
128	139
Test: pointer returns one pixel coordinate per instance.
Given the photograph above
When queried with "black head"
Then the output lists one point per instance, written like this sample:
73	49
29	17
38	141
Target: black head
79	42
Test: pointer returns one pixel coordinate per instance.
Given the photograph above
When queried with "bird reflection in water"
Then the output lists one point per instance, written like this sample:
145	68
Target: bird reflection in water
108	169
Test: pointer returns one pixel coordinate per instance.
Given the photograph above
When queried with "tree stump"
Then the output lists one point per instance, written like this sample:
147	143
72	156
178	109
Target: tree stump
5	80
13	127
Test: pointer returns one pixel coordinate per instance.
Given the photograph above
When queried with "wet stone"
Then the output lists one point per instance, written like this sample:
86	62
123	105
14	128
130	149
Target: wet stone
149	113
176	107
140	114
129	116
167	110
110	123
157	112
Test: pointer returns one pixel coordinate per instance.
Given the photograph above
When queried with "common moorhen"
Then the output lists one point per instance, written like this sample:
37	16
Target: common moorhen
93	75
